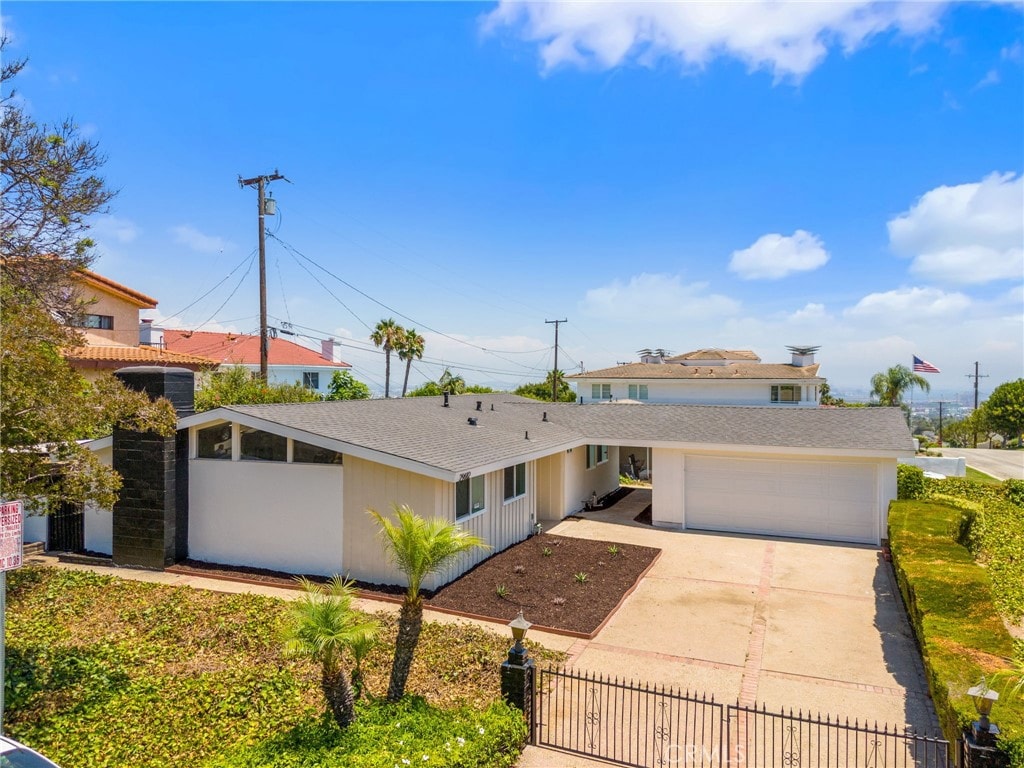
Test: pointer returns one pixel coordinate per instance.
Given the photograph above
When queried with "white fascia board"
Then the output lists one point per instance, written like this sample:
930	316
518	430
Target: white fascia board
874	453
100	443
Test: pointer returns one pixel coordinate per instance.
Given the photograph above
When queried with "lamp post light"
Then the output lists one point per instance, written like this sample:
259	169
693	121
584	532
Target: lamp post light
517	670
982	729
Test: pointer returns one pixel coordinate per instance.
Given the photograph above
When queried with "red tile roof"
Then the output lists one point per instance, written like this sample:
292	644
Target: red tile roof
122	353
110	286
241	349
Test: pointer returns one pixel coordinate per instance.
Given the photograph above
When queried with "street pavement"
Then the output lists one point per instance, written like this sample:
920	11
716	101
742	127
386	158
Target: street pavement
1001	464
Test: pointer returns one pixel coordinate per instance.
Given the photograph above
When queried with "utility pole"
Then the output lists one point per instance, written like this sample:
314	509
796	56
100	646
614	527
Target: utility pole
260	182
554	374
940	422
976	377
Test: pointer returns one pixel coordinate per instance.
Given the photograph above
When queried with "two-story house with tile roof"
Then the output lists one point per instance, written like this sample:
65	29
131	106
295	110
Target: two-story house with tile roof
707	377
287	362
109	325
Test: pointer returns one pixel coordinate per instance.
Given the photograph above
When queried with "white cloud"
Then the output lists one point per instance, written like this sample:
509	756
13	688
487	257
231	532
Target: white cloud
908	304
189	236
788	39
1012	52
657	296
970	233
810	313
774	256
991	78
108	228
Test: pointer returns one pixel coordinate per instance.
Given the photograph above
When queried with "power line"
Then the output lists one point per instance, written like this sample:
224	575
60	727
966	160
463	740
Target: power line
496	353
252	258
215	287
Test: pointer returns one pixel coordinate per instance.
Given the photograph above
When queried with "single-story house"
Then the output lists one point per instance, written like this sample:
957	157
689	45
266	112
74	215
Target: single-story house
287	486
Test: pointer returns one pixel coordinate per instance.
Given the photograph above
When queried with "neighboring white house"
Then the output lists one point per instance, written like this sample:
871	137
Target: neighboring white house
287	486
707	376
288	362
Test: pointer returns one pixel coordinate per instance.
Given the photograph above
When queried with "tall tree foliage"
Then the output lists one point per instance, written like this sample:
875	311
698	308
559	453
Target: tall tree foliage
418	547
889	387
50	189
345	386
1004	409
388	335
542	390
411	348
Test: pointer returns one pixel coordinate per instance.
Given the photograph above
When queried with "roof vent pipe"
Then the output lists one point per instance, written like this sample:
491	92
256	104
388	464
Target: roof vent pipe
527	435
445	400
492	406
479	405
545	418
472	421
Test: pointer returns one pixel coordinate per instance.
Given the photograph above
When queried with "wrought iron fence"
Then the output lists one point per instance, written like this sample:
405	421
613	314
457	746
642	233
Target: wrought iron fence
757	737
649	726
625	722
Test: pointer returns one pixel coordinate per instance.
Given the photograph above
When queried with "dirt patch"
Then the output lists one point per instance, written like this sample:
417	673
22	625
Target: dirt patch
558	581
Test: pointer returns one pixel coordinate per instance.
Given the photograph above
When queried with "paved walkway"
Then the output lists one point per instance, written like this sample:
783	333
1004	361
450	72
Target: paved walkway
1001	464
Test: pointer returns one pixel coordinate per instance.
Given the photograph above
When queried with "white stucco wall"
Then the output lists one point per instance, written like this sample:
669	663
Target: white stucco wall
949	466
668	488
581	482
292	374
35	526
99	530
266	514
716	391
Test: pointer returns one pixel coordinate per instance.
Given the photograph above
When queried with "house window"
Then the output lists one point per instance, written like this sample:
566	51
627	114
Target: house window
637	391
258	445
100	322
785	393
601	391
469	497
596	454
304	453
515	481
214	442
311	379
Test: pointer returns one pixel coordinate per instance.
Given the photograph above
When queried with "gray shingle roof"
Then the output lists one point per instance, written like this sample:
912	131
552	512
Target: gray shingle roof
421	430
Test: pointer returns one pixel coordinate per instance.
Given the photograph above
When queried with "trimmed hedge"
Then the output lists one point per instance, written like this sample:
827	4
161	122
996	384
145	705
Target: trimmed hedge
909	482
960	632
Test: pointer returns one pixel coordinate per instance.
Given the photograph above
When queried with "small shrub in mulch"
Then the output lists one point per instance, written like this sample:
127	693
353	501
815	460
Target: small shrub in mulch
574	587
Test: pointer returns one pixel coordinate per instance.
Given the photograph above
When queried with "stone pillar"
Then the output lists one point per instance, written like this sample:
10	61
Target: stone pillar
150	518
981	748
517	682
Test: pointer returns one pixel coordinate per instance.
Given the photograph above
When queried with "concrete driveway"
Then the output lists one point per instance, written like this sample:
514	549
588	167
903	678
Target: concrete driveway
1003	465
808	625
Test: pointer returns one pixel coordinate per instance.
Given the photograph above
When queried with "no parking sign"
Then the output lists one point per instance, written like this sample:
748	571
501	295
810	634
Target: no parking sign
12	526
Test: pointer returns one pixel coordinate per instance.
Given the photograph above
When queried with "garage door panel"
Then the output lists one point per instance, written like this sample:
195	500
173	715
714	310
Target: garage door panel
812	499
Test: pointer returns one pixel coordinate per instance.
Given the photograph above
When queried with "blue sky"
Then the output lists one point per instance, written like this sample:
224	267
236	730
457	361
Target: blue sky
745	175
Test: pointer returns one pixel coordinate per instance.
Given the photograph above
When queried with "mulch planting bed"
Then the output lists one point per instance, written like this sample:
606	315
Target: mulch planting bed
558	581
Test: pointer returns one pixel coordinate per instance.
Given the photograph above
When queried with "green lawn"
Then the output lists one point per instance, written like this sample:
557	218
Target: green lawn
109	672
980	477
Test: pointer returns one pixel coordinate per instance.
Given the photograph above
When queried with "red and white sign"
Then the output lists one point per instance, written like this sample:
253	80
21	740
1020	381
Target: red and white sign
12	524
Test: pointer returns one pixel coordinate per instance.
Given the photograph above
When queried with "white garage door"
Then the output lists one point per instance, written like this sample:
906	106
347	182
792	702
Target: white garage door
836	501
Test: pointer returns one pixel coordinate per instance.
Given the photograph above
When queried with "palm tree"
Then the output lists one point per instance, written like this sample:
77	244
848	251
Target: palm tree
411	348
452	383
419	548
323	626
387	334
889	387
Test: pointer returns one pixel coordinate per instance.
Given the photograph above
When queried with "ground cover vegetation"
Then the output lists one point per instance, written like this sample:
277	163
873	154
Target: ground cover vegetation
104	672
958	551
237	385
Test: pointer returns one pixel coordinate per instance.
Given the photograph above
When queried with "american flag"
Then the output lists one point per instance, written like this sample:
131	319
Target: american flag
923	366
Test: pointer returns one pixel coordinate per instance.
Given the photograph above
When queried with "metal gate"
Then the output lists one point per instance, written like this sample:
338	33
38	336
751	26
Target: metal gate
625	722
644	726
65	528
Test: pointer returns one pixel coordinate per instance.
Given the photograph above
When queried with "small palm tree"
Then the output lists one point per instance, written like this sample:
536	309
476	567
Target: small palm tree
411	348
360	648
323	626
889	387
452	383
388	335
419	548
